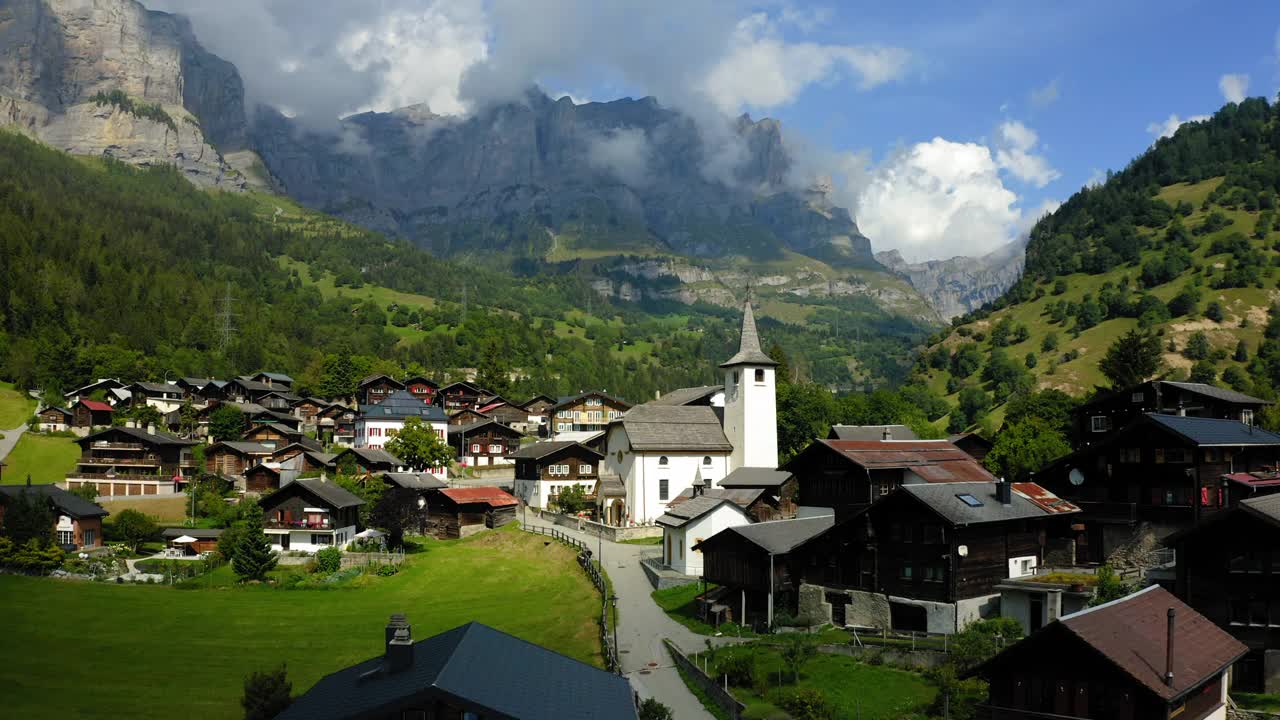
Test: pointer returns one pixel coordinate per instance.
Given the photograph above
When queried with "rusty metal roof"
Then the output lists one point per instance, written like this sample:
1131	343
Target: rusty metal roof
491	495
1044	499
936	461
1254	479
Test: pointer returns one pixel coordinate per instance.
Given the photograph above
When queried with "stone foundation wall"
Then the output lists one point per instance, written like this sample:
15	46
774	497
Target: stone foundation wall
862	609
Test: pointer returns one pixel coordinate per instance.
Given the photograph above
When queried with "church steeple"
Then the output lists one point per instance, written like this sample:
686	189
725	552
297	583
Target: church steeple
749	352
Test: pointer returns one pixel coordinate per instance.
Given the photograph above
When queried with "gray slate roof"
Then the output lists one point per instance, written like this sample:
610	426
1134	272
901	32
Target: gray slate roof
1268	506
507	676
685	396
1212	431
748	477
677	428
539	450
151	387
403	404
943	498
610	486
330	492
248	448
156	438
871	432
742	497
470	428
692	509
197	533
1217	393
749	352
414	481
373	455
782	536
65	502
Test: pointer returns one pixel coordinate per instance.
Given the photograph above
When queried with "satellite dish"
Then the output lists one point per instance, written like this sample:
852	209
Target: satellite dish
1076	477
963	551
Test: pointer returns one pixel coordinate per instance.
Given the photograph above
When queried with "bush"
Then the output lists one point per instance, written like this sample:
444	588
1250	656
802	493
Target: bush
806	704
387	570
980	641
329	560
739	666
266	694
651	709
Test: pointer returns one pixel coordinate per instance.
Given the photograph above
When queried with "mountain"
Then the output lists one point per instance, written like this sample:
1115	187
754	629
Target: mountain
112	79
1183	243
960	284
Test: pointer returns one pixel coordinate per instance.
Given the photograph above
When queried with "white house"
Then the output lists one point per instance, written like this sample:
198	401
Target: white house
658	448
692	521
377	424
310	514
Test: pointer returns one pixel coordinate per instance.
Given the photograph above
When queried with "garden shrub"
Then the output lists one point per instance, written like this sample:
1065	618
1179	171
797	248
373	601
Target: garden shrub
329	560
740	667
806	704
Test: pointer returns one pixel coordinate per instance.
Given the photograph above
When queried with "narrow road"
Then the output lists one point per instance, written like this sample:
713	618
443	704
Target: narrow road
642	627
10	440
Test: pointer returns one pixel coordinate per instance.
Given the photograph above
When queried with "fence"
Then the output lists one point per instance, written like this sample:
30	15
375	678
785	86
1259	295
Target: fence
372	558
719	695
909	640
597	578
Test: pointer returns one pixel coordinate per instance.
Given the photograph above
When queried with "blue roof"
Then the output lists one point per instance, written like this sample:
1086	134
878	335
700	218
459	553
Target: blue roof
481	666
403	404
1213	431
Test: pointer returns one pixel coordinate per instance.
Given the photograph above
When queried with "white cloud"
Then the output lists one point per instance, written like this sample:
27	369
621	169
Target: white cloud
762	70
1015	144
623	153
1234	87
938	199
1043	97
1170	126
1096	178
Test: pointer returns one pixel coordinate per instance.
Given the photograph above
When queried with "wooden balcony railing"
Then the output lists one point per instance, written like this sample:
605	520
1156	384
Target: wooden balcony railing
298	524
119	477
103	460
117	446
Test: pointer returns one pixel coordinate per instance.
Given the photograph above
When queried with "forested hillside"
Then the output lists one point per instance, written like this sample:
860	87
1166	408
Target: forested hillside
112	271
1180	246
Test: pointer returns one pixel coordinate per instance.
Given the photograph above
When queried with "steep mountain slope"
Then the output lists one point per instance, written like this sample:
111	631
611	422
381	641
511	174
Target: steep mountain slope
960	284
113	79
1182	242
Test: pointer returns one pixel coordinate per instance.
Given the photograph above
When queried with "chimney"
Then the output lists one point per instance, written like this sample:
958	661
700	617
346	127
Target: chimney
1004	492
151	428
887	434
399	655
131	423
1168	657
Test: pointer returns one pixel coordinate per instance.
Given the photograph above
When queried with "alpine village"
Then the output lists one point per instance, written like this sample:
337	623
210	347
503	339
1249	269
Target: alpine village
419	416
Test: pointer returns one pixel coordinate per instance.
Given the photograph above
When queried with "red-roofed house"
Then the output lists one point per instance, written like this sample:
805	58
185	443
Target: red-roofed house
459	512
1147	655
848	475
91	413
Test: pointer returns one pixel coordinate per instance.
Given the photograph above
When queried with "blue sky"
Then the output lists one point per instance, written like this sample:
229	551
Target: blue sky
923	113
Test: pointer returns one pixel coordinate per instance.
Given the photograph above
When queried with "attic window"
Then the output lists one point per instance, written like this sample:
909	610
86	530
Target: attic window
969	500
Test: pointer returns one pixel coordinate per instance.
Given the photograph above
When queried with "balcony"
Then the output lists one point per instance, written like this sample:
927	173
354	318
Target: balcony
117	446
119	477
273	524
149	461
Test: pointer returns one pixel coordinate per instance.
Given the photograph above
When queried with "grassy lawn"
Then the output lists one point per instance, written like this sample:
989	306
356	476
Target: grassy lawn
158	652
168	511
644	541
46	459
15	407
679	604
853	688
1255	701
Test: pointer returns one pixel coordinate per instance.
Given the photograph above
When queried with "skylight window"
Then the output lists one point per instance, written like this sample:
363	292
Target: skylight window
969	500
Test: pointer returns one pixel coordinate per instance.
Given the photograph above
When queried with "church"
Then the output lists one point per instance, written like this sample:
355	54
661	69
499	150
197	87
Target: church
660	448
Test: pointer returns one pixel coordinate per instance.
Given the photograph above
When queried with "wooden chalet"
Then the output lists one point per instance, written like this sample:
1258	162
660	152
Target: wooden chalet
280	401
1229	571
422	387
461	395
213	392
1146	656
1109	413
191	387
1162	470
848	475
929	556
779	487
756	568
275	436
132	461
538	404
1238	486
264	477
310	514
54	419
91	413
487	442
102	387
77	523
376	388
308	410
234	457
163	396
543	469
244	390
507	414
337	424
590	411
972	443
366	461
304	459
206	539
872	432
467	416
459	512
278	381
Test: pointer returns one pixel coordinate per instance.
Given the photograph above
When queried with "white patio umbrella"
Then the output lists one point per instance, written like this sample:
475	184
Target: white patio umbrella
370	534
184	540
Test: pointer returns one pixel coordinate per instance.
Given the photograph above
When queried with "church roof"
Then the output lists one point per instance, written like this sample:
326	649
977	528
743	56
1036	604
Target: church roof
749	352
675	428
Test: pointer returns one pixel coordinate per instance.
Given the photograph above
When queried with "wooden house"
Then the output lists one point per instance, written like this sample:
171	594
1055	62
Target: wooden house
929	556
308	410
310	514
366	461
1145	656
206	539
275	436
304	459
277	381
461	395
467	416
872	432
280	401
1239	486
586	412
162	396
376	388
77	523
91	413
234	457
337	424
846	476
756	568
972	443
487	442
54	419
422	387
102	387
779	491
1162	470
191	387
1229	571
244	390
1109	413
213	392
509	415
263	478
459	512
543	469
132	461
538	404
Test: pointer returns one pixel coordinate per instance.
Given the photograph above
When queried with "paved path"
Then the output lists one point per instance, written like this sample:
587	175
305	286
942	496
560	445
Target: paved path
10	440
642	627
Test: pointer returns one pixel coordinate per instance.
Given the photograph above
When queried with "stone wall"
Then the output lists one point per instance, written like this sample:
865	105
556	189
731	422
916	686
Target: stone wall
595	529
863	609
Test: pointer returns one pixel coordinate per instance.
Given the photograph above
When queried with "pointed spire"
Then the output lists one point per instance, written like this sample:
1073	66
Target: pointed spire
749	352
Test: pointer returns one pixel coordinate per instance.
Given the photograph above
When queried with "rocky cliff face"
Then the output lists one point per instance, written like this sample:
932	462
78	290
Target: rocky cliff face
626	171
56	56
956	286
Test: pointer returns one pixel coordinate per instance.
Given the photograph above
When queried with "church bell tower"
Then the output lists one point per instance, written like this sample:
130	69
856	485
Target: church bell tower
750	402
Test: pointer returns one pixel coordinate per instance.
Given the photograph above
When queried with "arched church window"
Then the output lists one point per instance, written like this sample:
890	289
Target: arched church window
759	375
706	459
662	460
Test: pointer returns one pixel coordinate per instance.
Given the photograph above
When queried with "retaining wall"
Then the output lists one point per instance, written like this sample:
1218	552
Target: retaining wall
717	693
609	532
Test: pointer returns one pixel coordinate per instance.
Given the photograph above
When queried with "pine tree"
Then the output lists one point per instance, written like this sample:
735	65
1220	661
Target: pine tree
1131	359
252	558
266	694
29	517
